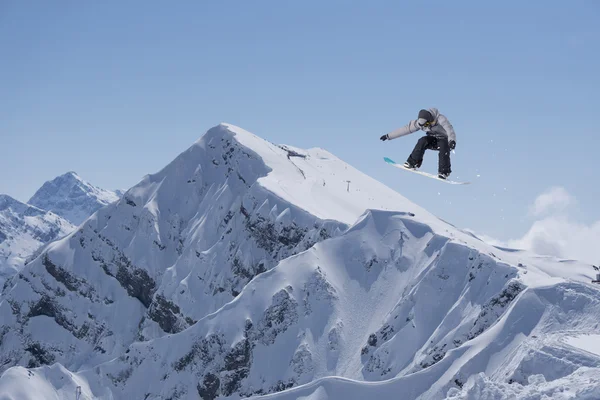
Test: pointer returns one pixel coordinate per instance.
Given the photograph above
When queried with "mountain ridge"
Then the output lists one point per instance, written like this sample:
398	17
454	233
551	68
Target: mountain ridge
24	229
245	268
71	197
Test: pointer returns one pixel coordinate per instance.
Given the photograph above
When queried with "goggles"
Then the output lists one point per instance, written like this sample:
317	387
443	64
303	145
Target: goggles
425	123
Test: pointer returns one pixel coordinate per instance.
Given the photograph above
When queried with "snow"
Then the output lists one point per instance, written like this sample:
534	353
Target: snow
51	213
47	383
23	230
583	384
72	198
317	181
590	343
249	269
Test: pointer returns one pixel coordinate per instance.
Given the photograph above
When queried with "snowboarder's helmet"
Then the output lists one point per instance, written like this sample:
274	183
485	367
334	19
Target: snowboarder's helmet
425	118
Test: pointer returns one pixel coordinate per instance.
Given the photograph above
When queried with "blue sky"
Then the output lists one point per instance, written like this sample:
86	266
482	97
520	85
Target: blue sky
115	91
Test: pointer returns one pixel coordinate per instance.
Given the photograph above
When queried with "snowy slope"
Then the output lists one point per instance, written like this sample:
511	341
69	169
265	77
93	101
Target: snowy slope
23	230
72	198
244	268
391	298
46	383
177	246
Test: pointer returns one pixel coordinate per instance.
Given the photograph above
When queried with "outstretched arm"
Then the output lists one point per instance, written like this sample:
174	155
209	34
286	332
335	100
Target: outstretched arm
411	127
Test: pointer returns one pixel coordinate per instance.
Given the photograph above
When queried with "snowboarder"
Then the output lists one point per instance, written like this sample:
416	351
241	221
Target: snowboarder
440	136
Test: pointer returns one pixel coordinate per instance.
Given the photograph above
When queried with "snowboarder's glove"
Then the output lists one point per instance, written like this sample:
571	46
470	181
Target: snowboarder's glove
384	137
452	144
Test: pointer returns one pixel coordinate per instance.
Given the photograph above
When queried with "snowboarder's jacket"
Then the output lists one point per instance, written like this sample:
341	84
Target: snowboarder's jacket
440	128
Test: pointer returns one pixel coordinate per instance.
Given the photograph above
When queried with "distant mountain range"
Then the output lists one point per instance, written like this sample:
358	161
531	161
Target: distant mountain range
54	211
72	198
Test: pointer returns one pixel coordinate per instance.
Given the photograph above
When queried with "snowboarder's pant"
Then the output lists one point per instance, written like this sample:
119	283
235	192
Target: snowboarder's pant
432	143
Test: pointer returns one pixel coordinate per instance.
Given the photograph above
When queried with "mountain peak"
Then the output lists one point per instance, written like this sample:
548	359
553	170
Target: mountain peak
23	230
7	198
240	249
18	207
71	175
7	201
71	197
314	179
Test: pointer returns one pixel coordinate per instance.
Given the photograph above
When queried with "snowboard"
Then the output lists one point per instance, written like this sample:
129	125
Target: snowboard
401	166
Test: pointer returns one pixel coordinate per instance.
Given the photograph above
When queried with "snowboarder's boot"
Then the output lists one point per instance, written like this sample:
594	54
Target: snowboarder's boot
443	175
409	165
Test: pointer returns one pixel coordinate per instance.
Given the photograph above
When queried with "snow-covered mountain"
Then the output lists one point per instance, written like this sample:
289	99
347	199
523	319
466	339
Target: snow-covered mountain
248	269
23	230
72	198
53	211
